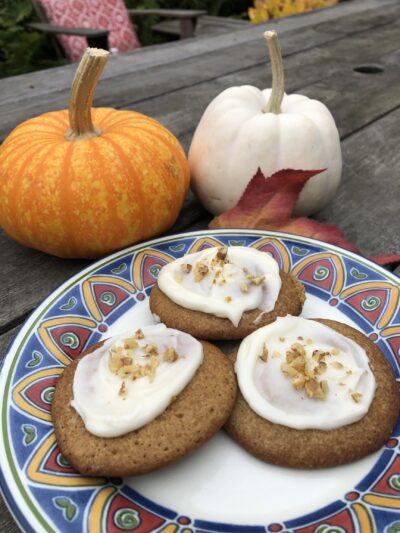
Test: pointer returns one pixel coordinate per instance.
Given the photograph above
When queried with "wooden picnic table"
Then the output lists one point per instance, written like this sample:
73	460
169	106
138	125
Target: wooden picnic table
347	56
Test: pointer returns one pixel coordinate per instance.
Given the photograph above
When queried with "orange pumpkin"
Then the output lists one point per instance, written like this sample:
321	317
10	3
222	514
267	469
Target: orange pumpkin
74	187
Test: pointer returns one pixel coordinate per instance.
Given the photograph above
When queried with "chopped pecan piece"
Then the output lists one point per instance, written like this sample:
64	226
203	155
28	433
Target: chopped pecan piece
170	355
186	268
288	370
200	271
264	354
139	334
130	343
222	254
122	389
150	349
356	396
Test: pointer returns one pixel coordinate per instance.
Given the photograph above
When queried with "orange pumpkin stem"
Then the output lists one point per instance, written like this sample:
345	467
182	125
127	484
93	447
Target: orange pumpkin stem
81	96
278	79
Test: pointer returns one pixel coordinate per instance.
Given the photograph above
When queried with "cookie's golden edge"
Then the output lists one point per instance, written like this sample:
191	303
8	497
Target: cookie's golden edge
314	448
206	326
197	413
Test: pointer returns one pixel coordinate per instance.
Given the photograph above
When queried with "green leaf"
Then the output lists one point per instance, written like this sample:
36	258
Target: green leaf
69	305
30	434
120	268
177	247
68	507
299	251
36	359
357	274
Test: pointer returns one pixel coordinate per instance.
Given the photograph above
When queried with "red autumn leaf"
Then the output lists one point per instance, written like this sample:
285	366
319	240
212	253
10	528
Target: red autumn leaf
385	259
268	203
265	200
315	230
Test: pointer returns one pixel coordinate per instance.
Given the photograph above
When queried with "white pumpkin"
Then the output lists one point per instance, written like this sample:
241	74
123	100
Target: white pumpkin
244	128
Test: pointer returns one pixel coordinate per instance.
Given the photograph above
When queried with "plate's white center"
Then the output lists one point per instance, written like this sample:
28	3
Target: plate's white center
222	482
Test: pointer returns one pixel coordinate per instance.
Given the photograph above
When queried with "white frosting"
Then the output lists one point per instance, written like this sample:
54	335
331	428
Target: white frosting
210	297
271	394
96	389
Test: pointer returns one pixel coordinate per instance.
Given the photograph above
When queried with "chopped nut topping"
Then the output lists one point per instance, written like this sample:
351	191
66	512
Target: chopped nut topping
276	354
337	365
178	278
299	381
186	268
255	280
228	299
126	360
200	271
130	343
300	338
309	341
150	349
122	389
170	355
335	351
288	370
139	334
321	367
315	389
244	288
303	370
114	364
222	253
348	372
245	270
356	396
298	348
299	363
324	387
264	354
318	355
282	339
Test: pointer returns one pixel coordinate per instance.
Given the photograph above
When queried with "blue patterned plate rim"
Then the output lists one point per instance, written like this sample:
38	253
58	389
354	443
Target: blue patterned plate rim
15	495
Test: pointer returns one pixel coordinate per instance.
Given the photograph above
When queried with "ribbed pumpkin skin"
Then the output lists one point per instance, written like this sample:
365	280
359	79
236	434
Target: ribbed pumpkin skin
88	197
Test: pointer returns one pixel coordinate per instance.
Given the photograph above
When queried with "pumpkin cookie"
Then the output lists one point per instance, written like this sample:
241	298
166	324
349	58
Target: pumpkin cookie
138	402
312	394
224	293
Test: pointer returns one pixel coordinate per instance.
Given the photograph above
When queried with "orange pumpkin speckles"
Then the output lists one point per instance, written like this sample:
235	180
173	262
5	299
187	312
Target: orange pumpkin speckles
96	193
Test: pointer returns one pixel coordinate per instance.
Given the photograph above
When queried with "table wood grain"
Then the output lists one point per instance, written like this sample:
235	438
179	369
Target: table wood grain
323	52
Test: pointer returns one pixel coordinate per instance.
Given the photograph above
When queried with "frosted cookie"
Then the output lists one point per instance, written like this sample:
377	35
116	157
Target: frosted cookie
313	393
140	401
224	293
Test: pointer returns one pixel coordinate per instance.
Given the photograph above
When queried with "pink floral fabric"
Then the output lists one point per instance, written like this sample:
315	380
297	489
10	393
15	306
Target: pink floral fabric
99	14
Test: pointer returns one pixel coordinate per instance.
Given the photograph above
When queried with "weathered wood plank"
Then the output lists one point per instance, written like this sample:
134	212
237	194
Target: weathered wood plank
367	204
27	92
26	277
61	77
354	99
24	285
7	522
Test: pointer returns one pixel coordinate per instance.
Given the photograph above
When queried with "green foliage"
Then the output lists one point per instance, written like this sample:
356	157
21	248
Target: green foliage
22	51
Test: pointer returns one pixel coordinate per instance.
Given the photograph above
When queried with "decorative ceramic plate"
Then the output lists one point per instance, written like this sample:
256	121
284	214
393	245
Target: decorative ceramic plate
219	487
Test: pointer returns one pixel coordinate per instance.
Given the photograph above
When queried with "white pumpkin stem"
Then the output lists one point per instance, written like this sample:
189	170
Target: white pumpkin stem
81	97
278	79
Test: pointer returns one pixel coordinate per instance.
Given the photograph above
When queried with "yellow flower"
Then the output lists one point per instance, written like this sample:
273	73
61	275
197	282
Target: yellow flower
263	10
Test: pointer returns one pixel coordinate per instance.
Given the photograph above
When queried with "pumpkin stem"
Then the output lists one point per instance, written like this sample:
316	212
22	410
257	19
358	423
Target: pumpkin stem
278	79
81	97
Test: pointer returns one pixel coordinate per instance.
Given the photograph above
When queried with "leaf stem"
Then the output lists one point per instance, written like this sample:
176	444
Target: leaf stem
81	97
278	79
